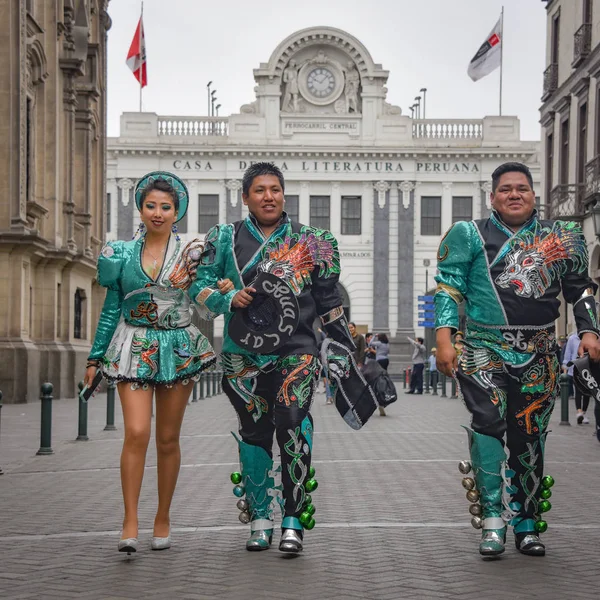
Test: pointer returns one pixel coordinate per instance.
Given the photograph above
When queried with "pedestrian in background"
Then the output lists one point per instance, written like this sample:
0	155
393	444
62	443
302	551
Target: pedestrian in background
581	401
418	359
433	372
370	352
381	345
359	342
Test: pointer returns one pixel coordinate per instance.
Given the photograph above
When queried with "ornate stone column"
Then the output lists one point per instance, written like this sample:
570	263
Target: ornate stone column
486	206
304	203
446	206
393	261
381	242
113	190
125	208
406	228
335	209
192	212
234	200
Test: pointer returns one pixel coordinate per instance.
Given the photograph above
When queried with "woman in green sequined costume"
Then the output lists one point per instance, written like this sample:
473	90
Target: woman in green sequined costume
146	342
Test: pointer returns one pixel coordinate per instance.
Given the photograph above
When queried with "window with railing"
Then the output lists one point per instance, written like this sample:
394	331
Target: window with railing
79	314
462	208
549	162
208	211
582	142
564	152
292	207
351	215
319	212
431	215
108	212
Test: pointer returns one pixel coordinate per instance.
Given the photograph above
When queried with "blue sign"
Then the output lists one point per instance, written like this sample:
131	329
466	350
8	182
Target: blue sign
425	298
428	307
426	324
426	315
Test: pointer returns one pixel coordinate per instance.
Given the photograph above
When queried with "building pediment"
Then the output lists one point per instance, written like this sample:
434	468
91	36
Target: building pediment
318	71
320	36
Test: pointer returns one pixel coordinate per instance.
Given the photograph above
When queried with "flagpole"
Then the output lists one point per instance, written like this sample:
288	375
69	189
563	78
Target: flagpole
141	57
501	54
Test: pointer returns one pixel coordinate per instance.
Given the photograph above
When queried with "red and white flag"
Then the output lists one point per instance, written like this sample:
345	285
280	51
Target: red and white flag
136	57
489	56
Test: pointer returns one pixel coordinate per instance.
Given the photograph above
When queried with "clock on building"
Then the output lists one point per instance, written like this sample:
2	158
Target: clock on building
321	82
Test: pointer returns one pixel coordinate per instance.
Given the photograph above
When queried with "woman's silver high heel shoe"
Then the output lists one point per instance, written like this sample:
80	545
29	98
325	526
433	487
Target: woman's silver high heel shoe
161	543
128	545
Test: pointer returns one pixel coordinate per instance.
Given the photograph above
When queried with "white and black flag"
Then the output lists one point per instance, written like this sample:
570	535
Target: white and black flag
489	55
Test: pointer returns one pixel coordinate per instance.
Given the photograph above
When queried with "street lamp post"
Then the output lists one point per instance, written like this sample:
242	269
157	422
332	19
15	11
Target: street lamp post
208	91
412	111
424	92
212	102
217	107
418	99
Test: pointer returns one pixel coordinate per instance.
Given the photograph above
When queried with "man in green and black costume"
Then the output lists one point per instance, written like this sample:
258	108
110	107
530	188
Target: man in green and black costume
510	270
272	394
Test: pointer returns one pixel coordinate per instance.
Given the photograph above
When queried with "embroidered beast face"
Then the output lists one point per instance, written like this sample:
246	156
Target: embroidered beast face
295	257
280	268
534	261
526	272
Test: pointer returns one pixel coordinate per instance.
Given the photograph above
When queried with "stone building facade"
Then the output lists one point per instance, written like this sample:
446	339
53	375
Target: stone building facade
52	162
570	118
387	185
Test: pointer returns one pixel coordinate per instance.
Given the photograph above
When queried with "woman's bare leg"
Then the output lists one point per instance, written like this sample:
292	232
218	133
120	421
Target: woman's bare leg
170	408
137	412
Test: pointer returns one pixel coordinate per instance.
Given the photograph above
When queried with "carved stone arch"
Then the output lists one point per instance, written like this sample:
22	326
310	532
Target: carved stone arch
38	63
318	36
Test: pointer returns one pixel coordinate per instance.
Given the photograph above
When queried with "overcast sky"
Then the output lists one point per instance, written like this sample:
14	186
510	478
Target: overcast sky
422	43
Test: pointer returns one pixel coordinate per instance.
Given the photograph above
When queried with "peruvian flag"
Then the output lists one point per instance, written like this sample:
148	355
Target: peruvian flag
136	57
488	57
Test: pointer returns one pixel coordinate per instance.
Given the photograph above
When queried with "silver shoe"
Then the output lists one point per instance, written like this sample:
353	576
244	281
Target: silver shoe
128	545
291	541
492	542
259	540
530	544
161	543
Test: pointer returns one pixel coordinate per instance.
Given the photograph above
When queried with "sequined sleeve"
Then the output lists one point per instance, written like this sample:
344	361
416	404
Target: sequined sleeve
110	264
325	278
213	267
454	261
578	289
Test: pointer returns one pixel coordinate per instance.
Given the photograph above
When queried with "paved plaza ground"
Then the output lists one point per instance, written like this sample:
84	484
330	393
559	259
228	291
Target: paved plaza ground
392	518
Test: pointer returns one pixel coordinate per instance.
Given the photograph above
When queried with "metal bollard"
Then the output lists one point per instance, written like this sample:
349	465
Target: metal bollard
564	399
202	381
1	471
427	378
220	382
435	376
195	391
110	407
443	386
82	435
214	383
404	377
208	385
46	420
454	393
